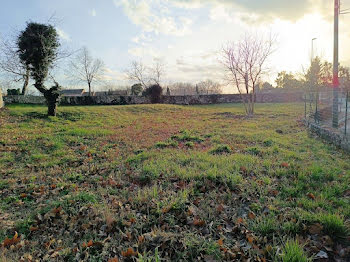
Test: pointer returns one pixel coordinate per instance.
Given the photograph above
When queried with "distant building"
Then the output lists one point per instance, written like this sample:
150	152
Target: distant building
73	92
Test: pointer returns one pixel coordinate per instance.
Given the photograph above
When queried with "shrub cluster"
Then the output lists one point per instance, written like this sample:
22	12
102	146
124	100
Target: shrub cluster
154	92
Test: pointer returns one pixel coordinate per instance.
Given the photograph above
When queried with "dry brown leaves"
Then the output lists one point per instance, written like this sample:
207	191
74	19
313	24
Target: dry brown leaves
11	241
129	252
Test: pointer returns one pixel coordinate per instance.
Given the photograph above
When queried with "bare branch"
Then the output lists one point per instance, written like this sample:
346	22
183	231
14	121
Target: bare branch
244	63
140	73
85	69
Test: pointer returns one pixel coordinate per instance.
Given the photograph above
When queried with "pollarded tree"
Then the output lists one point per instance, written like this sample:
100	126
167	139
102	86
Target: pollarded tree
37	46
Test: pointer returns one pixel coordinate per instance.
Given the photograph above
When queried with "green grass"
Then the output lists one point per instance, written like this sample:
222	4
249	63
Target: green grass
221	149
171	182
293	252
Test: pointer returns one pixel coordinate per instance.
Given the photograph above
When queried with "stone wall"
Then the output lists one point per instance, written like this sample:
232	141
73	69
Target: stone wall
332	136
279	97
177	100
104	100
24	100
202	99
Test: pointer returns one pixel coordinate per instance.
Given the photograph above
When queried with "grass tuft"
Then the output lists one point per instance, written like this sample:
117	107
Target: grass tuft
293	252
220	149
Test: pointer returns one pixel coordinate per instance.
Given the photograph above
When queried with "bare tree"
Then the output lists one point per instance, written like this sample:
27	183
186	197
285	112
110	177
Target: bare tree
244	62
138	73
157	72
84	68
12	66
209	87
182	89
146	75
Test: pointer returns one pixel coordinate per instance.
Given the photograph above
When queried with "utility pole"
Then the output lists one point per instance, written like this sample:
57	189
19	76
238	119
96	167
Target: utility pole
335	64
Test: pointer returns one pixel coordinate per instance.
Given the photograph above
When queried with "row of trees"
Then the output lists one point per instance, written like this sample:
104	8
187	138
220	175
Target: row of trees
36	51
206	87
318	75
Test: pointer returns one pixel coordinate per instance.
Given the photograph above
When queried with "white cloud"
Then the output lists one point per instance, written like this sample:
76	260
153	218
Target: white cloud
154	16
92	12
144	52
195	57
113	75
63	35
220	13
266	10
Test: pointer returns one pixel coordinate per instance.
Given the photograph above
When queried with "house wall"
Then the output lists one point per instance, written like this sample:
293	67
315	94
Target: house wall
178	100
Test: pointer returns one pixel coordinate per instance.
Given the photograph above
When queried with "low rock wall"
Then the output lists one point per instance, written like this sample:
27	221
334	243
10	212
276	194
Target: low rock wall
177	100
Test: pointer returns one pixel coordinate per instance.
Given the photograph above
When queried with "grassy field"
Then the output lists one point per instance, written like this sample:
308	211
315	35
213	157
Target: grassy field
164	182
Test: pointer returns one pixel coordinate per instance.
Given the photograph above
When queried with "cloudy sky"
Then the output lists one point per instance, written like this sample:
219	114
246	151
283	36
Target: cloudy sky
187	34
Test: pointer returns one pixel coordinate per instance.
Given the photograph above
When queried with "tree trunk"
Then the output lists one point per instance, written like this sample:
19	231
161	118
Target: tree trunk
26	82
52	96
52	108
89	89
252	97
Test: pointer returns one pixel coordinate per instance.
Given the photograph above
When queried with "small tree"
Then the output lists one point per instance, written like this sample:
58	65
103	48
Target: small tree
137	72
136	89
37	47
287	81
13	92
85	69
157	71
146	75
244	63
155	93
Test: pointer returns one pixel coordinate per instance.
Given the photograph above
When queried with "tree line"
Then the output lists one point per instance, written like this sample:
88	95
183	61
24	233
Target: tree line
36	51
318	76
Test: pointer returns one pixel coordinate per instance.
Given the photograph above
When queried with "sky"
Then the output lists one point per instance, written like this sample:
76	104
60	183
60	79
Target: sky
188	35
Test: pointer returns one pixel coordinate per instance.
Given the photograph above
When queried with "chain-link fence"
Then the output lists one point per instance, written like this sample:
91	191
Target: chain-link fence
329	109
